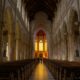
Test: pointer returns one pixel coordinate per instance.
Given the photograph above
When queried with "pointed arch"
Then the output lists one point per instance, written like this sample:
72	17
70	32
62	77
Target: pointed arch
40	44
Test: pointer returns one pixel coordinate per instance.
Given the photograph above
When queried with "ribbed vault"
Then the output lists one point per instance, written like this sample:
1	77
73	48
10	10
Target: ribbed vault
34	6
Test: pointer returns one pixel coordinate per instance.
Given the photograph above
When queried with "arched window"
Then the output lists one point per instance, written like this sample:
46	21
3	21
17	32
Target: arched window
41	44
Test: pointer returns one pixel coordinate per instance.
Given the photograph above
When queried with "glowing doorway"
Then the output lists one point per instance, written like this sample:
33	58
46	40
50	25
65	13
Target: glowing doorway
41	45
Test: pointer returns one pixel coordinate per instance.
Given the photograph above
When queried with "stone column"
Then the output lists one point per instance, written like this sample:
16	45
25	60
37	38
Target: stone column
51	44
25	46
25	51
11	48
17	49
21	48
0	40
17	41
11	35
22	45
30	42
2	6
78	6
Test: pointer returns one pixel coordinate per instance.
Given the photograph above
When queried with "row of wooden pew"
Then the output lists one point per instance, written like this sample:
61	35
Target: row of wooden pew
17	70
63	70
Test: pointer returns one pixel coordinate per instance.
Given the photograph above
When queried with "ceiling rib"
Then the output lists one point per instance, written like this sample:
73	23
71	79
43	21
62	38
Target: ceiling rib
47	6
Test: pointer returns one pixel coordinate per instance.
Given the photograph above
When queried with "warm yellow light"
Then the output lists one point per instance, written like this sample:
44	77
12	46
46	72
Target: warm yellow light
45	45
36	46
7	53
41	72
44	56
40	45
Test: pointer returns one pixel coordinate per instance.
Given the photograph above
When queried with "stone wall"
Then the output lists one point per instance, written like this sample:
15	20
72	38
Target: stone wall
14	35
63	34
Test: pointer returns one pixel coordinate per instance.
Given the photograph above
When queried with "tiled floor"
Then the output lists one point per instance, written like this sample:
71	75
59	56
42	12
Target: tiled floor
41	73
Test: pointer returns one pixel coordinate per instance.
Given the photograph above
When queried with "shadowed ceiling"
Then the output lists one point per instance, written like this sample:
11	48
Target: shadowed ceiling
34	6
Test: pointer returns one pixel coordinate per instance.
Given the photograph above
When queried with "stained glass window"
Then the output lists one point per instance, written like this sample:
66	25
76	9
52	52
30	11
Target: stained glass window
40	45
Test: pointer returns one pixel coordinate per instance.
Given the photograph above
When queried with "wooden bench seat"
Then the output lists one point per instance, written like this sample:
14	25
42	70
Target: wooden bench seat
64	70
16	70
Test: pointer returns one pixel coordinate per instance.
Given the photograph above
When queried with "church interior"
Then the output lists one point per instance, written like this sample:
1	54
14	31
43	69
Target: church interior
39	39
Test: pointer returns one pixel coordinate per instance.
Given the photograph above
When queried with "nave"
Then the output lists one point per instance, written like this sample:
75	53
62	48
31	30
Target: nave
41	72
39	29
33	69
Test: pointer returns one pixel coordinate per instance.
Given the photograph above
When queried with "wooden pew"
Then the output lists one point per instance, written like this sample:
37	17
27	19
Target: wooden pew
64	70
17	70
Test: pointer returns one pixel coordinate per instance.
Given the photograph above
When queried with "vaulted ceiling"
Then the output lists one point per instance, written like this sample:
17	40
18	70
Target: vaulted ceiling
34	6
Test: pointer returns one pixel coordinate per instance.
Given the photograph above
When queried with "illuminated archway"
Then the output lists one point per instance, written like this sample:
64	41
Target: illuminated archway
41	45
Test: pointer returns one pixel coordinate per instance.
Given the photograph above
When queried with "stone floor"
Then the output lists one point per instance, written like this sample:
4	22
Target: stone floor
41	73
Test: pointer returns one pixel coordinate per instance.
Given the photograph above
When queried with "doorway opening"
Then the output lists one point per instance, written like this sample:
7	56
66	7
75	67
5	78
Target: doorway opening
41	48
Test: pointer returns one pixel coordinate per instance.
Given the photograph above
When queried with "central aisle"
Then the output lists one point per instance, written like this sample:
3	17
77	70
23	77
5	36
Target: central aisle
41	73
